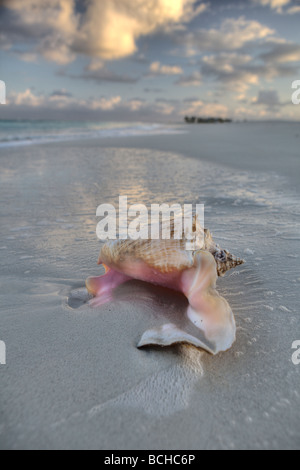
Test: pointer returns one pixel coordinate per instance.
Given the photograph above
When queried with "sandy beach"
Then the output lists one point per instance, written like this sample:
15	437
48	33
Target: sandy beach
74	377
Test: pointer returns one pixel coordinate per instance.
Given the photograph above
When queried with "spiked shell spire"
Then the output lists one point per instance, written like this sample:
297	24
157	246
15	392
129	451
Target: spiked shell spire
224	260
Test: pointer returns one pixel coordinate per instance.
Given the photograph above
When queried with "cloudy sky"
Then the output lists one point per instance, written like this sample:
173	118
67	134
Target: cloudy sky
149	60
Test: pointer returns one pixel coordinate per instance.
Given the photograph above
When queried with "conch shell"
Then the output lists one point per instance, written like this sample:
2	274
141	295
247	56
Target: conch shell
167	263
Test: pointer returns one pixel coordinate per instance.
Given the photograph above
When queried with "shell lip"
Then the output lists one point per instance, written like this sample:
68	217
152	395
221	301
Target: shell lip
158	337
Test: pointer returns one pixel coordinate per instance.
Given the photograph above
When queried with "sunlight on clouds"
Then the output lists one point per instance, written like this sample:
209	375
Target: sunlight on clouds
233	34
106	104
57	14
226	62
66	102
282	53
26	98
135	105
288	56
107	29
27	56
95	65
231	57
293	10
111	27
158	69
164	108
56	23
61	100
270	106
274	4
199	108
232	70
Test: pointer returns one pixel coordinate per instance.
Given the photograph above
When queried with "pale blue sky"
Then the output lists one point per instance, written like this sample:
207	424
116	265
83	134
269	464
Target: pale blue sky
153	60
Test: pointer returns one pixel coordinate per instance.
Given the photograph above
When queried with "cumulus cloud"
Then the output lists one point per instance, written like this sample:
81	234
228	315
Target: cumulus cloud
62	105
233	34
232	70
156	68
164	108
226	63
26	98
111	28
278	6
282	52
64	101
106	29
237	71
293	10
274	4
95	65
106	104
50	26
200	108
26	56
60	99
135	104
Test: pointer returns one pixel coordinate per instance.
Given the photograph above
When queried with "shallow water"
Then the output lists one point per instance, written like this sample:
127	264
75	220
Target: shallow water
20	133
74	368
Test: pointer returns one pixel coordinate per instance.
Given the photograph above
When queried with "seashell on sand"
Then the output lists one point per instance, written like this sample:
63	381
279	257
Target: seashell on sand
208	321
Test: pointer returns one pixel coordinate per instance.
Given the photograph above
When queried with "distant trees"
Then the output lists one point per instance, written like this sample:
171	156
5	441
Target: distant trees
199	120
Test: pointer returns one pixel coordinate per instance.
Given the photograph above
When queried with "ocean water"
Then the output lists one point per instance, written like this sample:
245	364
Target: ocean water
19	133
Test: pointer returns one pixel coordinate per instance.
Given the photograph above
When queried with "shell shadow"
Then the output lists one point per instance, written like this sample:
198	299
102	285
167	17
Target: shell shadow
165	314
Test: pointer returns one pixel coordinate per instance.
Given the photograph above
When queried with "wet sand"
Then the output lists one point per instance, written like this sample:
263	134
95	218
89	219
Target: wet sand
74	377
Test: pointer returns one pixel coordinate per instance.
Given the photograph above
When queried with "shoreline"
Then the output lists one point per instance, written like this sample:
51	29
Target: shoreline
253	155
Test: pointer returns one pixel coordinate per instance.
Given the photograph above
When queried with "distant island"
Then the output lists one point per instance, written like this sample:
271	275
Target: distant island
198	120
